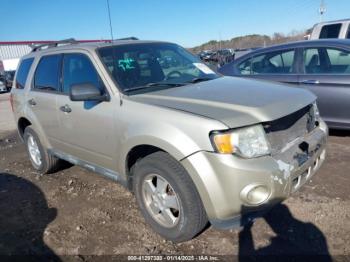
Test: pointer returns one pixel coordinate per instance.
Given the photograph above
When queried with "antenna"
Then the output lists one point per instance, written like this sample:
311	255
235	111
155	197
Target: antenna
110	20
322	10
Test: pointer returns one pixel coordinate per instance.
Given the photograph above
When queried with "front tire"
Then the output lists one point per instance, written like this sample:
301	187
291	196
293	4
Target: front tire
168	198
41	160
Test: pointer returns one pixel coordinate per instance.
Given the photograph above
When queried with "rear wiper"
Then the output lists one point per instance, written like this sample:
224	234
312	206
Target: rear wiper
199	79
152	85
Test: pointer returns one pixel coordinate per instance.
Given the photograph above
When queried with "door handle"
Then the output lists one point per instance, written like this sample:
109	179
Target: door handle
66	109
31	102
310	82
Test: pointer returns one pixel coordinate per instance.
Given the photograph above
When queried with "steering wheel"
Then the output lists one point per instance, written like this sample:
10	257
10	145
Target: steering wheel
175	72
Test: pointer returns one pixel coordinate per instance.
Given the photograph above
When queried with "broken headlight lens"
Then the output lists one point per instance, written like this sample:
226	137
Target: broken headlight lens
247	142
316	111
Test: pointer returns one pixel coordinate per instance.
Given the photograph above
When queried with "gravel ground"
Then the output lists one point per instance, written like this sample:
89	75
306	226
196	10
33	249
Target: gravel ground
76	212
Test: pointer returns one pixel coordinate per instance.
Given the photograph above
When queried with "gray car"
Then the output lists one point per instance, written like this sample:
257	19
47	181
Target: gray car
193	146
321	66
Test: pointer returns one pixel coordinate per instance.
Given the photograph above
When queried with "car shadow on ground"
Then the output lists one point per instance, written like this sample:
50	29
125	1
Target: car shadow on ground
23	218
294	240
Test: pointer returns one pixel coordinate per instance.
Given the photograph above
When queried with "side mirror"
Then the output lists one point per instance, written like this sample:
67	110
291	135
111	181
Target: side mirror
86	92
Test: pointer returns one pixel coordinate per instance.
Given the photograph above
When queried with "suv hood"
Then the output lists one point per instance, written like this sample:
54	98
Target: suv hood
234	101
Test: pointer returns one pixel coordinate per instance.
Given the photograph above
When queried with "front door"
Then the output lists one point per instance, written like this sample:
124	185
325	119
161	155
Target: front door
87	130
327	75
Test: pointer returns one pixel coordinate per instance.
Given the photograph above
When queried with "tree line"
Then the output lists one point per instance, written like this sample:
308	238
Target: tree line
251	41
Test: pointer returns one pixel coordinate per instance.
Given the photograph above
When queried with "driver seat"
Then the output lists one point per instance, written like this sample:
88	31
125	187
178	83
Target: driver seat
157	73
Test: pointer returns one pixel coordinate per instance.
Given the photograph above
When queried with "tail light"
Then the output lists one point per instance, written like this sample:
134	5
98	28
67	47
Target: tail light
11	101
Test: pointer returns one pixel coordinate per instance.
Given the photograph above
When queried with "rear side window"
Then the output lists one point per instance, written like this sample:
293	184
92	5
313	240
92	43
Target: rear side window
330	31
280	62
22	73
47	73
78	69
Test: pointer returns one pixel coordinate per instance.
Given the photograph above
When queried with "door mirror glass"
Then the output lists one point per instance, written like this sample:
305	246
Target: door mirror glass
86	92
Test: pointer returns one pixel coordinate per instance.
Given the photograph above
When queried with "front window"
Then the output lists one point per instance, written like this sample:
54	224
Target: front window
326	61
78	69
153	66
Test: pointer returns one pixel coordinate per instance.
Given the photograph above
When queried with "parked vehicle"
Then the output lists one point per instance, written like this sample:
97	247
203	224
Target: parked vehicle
223	56
206	55
321	66
193	146
2	86
331	29
8	77
201	54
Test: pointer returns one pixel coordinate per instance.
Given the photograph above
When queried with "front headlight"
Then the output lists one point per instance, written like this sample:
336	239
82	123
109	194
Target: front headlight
247	142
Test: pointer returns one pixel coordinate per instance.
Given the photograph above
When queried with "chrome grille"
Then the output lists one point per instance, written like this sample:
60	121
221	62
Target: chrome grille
286	129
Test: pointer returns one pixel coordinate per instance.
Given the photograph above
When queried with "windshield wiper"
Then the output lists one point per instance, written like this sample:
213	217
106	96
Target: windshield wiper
152	85
200	79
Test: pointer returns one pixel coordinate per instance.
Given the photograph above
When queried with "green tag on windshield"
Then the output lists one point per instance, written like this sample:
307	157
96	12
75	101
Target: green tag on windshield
126	64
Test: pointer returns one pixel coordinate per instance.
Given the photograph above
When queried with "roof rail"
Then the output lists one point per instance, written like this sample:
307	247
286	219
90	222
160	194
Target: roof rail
54	44
128	38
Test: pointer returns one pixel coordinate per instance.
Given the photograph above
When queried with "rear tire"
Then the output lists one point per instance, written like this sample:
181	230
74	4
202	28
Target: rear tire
41	160
168	198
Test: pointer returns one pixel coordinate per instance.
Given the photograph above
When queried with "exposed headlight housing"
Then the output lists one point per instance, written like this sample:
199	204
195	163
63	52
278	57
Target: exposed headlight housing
316	112
247	142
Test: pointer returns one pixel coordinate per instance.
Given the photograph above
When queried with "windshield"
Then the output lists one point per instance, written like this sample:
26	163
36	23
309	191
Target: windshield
153	65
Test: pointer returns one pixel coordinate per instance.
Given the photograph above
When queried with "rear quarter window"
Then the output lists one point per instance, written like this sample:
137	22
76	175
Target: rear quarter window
22	73
47	73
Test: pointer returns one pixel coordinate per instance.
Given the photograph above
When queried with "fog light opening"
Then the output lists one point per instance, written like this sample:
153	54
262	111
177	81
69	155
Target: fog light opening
255	194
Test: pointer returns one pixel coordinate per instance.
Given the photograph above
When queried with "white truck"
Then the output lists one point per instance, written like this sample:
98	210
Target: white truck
331	29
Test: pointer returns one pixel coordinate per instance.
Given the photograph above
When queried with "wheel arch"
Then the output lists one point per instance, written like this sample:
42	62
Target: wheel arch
22	123
136	153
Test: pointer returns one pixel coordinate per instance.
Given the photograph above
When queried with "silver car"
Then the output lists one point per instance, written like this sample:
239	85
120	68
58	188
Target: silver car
193	146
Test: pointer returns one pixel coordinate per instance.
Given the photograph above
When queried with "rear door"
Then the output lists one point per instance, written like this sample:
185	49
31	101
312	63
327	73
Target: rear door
326	73
277	66
41	100
87	129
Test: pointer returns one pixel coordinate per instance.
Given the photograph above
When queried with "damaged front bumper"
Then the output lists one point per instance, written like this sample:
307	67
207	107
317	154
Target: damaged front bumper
234	190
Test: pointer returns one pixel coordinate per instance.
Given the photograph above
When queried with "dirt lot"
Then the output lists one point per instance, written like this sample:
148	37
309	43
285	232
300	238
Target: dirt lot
76	212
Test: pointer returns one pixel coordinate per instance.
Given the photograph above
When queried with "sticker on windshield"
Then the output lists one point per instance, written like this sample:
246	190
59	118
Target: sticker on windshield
205	69
126	64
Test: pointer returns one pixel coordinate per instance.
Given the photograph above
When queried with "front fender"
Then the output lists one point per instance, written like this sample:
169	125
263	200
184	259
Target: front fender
178	133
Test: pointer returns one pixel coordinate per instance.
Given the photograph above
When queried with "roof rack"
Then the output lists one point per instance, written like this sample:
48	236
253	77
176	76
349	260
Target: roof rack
127	38
54	44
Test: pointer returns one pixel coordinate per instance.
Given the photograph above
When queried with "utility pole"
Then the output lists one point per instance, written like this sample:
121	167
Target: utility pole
322	10
110	20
